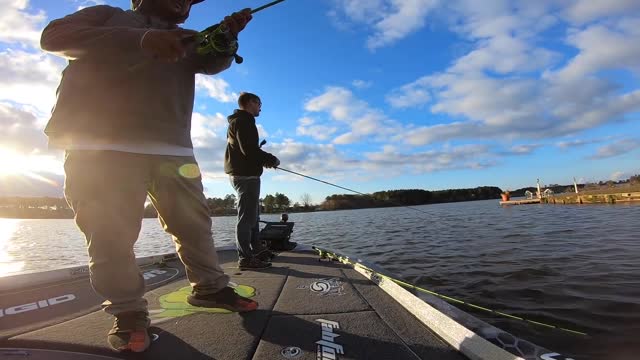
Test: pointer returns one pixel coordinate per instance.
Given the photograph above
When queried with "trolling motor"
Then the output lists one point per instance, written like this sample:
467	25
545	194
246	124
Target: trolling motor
214	39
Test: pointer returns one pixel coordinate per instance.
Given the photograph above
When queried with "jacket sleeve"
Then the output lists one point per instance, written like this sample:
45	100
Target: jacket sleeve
247	138
83	33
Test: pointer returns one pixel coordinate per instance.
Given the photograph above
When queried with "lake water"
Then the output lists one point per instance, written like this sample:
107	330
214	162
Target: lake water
572	266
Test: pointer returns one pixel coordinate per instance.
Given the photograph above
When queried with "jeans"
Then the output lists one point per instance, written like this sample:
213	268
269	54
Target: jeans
107	192
248	226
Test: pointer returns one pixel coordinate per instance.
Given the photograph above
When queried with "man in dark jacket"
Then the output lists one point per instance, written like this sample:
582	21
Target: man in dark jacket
123	115
243	161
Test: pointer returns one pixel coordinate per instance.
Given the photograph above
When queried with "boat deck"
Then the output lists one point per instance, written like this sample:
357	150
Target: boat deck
309	309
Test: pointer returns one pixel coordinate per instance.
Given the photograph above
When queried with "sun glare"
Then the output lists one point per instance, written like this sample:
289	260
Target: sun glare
11	163
14	163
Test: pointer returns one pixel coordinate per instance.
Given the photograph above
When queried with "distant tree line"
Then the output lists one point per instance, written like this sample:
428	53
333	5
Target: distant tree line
408	197
35	208
57	208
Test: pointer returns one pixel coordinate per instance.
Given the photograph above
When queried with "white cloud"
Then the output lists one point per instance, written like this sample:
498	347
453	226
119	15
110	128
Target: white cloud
361	84
18	25
389	20
29	78
338	102
326	162
209	136
525	149
346	139
409	95
507	86
447	158
20	130
617	148
602	48
619	175
215	88
86	3
207	130
308	127
581	11
363	120
577	143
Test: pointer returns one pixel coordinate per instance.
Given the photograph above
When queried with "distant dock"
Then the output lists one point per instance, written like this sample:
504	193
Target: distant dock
593	198
520	202
629	193
597	197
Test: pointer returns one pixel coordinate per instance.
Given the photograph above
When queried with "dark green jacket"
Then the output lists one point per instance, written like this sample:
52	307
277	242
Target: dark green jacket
243	156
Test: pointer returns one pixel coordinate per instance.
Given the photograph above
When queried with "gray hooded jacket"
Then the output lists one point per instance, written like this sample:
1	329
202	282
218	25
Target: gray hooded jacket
111	91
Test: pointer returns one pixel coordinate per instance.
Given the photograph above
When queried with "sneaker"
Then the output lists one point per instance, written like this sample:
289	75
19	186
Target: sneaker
265	255
253	263
130	332
223	299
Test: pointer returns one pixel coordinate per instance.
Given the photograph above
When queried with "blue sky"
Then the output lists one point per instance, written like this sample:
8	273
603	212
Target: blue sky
380	94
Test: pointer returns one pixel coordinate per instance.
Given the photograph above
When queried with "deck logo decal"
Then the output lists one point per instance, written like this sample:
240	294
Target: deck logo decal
291	352
15	310
331	286
157	276
79	271
327	348
174	304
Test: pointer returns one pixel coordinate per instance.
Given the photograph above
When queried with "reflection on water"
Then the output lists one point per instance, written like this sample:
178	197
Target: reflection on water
8	264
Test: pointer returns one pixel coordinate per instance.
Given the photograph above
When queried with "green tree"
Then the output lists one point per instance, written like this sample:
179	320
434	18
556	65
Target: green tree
282	201
230	201
269	202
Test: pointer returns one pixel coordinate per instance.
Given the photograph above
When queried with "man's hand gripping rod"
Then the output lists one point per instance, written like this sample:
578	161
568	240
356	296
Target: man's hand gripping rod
206	39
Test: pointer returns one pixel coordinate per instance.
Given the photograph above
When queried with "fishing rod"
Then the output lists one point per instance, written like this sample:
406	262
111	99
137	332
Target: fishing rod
214	38
344	188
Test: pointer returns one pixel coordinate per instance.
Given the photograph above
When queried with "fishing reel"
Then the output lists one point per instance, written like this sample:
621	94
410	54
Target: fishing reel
216	40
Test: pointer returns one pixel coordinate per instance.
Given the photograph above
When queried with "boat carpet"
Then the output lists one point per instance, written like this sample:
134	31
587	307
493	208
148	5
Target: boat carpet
309	309
36	306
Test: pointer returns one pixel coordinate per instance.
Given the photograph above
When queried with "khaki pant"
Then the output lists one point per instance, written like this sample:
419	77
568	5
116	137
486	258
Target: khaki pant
107	191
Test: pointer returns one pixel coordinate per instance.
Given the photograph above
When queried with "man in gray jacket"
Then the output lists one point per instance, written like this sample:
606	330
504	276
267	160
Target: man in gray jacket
123	115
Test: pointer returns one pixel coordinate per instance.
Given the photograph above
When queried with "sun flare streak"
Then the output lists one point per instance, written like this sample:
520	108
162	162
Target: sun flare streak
13	163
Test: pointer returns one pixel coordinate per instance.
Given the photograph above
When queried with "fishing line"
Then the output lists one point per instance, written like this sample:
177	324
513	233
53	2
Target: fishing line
344	188
345	260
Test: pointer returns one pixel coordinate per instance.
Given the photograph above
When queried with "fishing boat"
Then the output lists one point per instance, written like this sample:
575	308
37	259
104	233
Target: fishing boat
314	304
